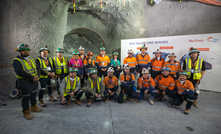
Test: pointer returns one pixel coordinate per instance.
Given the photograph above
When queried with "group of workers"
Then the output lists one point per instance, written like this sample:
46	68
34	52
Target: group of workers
166	79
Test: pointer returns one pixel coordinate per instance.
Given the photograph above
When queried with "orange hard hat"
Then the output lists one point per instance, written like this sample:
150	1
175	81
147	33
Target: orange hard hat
89	53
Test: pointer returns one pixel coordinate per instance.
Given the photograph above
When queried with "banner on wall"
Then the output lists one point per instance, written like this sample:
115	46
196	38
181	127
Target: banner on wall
209	46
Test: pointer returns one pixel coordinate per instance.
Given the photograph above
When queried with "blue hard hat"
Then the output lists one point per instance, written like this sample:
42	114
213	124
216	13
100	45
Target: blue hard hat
166	69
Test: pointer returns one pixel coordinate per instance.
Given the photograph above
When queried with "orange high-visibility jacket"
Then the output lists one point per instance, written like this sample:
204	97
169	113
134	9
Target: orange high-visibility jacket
174	67
127	77
132	62
143	60
146	82
187	85
110	83
102	61
164	83
157	65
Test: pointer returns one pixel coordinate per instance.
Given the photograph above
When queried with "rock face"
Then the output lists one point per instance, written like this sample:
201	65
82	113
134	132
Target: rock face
51	22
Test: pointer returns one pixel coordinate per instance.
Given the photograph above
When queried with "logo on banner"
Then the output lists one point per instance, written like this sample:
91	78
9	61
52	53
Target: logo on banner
196	40
211	39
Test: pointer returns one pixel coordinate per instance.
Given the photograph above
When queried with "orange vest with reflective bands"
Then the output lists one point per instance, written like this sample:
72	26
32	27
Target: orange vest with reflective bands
164	83
102	61
157	65
174	67
132	62
187	85
143	60
146	82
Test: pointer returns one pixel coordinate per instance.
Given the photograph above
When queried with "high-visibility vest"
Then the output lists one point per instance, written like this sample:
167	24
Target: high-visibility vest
68	88
197	69
43	66
92	84
27	68
157	65
59	67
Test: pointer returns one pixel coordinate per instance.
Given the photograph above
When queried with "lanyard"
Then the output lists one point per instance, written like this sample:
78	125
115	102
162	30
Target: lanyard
194	63
76	63
46	62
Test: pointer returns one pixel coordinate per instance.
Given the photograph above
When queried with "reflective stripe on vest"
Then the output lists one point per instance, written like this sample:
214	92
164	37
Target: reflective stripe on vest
59	67
27	68
92	84
44	66
197	69
68	88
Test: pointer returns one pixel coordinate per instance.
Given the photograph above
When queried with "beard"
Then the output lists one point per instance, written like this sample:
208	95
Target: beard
25	54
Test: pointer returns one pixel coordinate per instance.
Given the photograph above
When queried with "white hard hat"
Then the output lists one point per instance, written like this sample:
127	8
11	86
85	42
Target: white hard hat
145	71
81	48
110	69
130	51
126	66
171	54
158	51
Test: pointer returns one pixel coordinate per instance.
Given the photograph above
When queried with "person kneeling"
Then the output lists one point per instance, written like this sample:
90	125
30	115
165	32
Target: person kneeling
70	87
146	85
111	85
184	91
93	87
127	82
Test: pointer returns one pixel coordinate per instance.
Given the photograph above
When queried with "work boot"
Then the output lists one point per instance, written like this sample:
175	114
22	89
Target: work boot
51	98
89	103
106	100
27	114
151	102
69	101
186	111
129	99
41	103
35	108
78	102
195	104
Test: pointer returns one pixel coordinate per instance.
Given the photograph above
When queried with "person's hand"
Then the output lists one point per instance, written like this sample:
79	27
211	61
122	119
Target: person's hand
63	100
174	76
35	78
56	76
118	67
105	69
71	94
88	74
163	93
158	91
49	74
81	76
112	93
96	95
99	96
179	92
146	91
109	91
102	69
52	74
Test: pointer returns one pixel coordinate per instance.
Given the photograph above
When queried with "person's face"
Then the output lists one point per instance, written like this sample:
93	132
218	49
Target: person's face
165	73
115	56
73	74
143	51
127	70
158	54
130	54
81	52
102	52
194	55
145	75
44	53
110	74
182	77
172	58
89	57
59	54
24	53
94	76
75	56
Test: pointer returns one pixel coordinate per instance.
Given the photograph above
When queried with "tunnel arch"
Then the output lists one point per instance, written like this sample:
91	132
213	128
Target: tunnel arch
90	35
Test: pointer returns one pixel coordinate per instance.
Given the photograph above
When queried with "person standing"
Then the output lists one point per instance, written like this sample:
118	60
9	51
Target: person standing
115	63
61	67
156	64
132	62
46	65
89	64
195	68
27	72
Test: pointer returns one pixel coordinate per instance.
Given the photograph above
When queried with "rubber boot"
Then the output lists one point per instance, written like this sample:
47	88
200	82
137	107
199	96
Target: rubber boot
89	103
78	102
51	98
27	114
41	103
35	108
